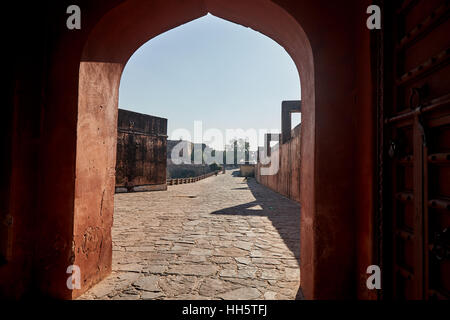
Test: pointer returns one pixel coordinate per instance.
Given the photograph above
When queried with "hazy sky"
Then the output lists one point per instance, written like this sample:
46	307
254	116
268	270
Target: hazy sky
214	71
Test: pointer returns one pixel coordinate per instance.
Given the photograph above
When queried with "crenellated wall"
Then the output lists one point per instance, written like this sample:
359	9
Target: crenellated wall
285	180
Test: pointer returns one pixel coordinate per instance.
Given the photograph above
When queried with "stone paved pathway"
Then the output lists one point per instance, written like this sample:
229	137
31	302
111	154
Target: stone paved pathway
219	238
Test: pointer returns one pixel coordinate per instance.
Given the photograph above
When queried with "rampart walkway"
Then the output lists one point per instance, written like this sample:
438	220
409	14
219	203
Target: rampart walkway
219	238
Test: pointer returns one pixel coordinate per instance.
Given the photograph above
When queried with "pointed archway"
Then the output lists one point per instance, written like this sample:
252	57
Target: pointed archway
108	48
78	139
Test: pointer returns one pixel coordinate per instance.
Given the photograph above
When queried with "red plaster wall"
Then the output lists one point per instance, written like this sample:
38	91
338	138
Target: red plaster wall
286	180
95	169
365	157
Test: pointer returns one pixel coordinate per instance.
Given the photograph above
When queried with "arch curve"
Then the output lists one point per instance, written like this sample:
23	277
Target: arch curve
109	45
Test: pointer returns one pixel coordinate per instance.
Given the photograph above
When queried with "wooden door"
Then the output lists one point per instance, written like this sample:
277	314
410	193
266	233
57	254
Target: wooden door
417	144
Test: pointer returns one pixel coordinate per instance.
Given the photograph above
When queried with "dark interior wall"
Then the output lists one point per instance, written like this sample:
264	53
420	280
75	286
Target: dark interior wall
38	145
22	112
141	150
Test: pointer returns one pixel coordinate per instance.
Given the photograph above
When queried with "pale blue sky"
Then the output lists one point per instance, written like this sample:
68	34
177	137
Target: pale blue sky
212	70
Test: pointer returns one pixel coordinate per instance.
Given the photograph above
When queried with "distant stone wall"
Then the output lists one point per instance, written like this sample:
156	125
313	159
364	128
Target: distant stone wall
247	170
183	145
287	180
141	152
186	170
189	169
176	181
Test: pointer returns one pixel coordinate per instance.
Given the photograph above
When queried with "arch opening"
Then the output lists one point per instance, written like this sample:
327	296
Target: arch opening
232	66
107	50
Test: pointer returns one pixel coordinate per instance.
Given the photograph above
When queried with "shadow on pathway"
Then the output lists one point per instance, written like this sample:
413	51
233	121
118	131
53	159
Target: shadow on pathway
281	211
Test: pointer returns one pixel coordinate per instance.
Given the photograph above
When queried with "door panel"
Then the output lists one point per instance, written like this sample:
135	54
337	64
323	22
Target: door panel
417	128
